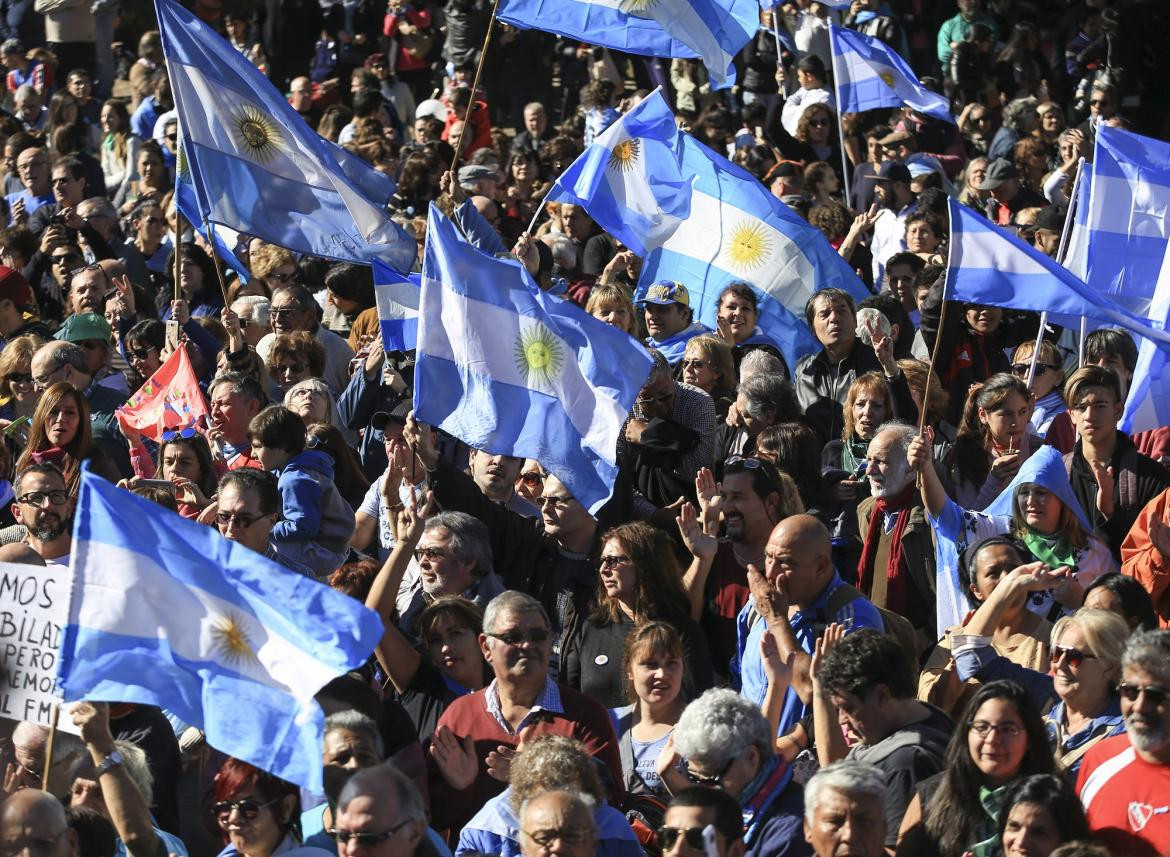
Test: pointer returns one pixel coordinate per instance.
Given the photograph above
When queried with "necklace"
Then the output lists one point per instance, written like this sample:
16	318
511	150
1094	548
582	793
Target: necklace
757	561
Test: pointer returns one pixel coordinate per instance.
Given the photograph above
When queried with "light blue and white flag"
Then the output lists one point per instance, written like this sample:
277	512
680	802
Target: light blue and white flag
256	166
987	265
697	219
167	612
713	30
221	237
870	75
397	299
1148	404
1128	216
513	370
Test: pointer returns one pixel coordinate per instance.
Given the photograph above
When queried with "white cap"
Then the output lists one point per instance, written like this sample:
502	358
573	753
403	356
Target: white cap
432	107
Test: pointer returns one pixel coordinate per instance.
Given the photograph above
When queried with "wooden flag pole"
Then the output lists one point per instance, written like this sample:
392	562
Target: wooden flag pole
218	266
474	88
49	748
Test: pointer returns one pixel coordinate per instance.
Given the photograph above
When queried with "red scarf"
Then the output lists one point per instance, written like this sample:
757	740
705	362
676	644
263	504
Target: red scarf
52	455
903	504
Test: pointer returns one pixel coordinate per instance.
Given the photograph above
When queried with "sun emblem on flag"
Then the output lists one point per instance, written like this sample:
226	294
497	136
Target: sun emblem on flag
539	355
230	640
887	78
637	7
625	155
256	135
182	168
747	246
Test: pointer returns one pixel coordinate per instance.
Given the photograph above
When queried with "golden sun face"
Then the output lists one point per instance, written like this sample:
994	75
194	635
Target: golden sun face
625	155
230	640
637	7
257	136
539	355
887	78
747	246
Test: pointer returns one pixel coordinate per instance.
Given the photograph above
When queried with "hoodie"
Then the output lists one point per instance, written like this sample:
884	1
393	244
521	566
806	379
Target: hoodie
311	505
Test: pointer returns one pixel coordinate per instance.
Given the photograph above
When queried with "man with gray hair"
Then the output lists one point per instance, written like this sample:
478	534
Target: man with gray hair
454	557
381	813
843	810
896	571
1124	783
557	817
765	399
477	735
723	742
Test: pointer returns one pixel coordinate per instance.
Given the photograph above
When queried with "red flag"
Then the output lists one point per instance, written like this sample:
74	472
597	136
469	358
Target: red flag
170	400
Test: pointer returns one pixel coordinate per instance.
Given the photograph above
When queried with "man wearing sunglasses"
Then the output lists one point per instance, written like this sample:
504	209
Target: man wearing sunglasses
380	814
91	333
1124	782
477	735
697	816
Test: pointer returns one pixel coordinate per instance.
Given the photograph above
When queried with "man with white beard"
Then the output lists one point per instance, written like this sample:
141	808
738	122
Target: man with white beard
1124	782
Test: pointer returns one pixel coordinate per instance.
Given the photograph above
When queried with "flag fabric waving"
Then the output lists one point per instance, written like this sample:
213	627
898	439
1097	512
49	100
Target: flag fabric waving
989	266
397	300
167	612
713	30
698	219
512	370
1148	405
870	74
255	165
170	400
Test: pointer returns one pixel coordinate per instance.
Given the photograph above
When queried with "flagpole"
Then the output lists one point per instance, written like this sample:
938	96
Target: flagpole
178	242
938	338
215	261
536	216
475	86
779	51
845	184
49	748
1036	348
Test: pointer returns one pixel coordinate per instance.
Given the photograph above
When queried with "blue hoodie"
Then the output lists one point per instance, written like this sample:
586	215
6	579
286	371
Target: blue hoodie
311	505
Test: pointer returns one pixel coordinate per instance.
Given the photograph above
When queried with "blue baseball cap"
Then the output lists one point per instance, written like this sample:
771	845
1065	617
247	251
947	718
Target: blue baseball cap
666	292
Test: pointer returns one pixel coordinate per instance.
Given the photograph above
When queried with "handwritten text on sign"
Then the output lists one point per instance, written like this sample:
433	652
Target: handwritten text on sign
34	603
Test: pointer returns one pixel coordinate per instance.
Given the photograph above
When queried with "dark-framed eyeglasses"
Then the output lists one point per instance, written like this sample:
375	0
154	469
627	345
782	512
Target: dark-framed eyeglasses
141	353
37	498
283	278
695	364
1007	729
1041	368
692	836
283	312
65	258
19	378
645	401
532	478
818	123
1073	656
613	561
291	369
1154	694
241	519
362	838
246	807
519	638
708	780
430	554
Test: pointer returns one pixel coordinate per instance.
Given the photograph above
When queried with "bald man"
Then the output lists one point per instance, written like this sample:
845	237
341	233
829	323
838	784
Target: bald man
29	742
35	821
557	816
798	594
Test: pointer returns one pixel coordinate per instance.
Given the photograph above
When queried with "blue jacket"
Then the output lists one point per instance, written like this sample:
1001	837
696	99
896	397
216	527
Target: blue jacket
496	830
312	507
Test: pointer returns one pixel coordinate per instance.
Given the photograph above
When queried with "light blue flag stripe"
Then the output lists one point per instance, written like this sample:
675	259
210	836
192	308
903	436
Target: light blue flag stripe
168	612
513	370
397	299
989	266
1129	216
714	30
871	75
1148	404
255	164
698	219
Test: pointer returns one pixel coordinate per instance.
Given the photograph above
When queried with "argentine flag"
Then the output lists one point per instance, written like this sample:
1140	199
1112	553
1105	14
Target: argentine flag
697	219
512	370
869	75
167	612
397	299
713	30
256	167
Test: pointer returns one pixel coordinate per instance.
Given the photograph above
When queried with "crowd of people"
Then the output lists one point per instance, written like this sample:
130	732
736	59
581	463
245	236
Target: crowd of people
741	652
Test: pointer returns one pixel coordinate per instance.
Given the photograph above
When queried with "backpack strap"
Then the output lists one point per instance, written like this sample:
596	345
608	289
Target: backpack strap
624	726
1127	480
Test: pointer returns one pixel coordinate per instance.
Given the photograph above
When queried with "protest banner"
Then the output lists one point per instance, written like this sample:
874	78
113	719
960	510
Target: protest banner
34	605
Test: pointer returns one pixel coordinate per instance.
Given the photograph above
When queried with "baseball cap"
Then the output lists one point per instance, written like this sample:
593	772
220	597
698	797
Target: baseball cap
998	172
1051	218
432	107
86	325
374	59
892	171
666	292
14	287
398	415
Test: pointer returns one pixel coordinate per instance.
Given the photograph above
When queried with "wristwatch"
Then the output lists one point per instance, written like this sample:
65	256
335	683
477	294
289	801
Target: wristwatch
110	761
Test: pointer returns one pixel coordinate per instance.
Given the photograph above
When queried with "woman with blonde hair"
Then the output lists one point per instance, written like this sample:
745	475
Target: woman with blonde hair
613	305
707	364
18	396
294	357
640	579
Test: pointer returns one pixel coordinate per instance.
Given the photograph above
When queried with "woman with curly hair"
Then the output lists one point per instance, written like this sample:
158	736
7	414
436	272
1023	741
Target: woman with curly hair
817	130
294	357
640	579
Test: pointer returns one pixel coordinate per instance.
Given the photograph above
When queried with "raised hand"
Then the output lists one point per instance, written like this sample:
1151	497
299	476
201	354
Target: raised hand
455	757
413	517
1106	478
698	542
418	438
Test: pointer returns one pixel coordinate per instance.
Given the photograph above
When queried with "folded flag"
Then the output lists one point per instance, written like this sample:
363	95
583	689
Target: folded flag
167	612
512	370
1148	405
713	30
397	299
987	265
170	400
222	238
697	219
255	165
870	75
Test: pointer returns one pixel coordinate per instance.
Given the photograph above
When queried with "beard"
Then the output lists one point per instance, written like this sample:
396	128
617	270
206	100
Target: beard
892	485
1146	734
49	532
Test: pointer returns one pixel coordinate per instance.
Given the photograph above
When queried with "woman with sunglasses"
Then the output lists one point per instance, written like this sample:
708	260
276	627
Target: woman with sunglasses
817	129
18	397
1085	666
295	357
1039	508
707	364
258	815
1000	740
639	580
1050	419
143	346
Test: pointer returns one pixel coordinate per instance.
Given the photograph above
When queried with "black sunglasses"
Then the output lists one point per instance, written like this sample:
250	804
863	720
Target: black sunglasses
140	353
516	638
247	807
708	780
692	836
1041	368
1156	695
19	378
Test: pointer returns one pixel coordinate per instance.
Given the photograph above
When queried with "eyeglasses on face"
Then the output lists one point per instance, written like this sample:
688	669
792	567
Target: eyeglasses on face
613	561
695	364
531	478
363	838
692	836
1041	368
246	807
290	368
1006	730
567	835
518	638
555	502
37	498
240	519
644	401
141	353
708	780
65	258
430	554
818	123
1154	694
19	378
1073	656
283	312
